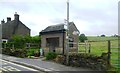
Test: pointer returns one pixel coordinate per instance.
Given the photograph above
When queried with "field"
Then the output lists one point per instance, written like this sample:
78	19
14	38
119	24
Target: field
99	45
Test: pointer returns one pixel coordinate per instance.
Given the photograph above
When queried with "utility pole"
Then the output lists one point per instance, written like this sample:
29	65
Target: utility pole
67	36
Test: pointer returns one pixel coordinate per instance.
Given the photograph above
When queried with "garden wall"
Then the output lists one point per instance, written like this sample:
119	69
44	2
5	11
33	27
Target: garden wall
84	60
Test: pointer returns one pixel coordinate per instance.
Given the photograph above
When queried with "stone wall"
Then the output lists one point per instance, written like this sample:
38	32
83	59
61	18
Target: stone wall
84	60
57	49
61	40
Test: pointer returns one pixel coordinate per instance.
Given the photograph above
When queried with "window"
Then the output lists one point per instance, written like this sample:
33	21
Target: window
71	40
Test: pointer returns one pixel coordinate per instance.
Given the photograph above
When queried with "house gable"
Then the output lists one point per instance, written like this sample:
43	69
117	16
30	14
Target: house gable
22	29
72	28
14	27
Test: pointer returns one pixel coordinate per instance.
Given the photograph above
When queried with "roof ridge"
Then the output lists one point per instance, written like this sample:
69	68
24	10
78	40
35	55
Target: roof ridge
57	24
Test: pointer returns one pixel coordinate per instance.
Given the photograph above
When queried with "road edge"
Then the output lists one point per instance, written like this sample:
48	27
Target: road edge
30	66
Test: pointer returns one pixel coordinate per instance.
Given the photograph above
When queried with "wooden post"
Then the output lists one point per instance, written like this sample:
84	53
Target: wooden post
109	52
85	46
89	48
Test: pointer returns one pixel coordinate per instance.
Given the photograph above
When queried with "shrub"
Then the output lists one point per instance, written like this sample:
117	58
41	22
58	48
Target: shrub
30	52
15	52
19	53
33	52
7	45
36	53
51	55
60	59
6	51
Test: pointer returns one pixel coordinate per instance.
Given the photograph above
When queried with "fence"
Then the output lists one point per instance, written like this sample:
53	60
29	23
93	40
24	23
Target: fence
115	58
110	48
85	47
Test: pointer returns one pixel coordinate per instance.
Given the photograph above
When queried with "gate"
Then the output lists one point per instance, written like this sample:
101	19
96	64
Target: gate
115	60
84	47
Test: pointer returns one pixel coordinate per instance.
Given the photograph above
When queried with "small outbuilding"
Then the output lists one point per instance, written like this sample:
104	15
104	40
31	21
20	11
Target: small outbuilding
53	38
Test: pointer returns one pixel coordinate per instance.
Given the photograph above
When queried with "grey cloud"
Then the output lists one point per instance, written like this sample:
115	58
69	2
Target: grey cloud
56	11
18	6
99	18
93	15
57	20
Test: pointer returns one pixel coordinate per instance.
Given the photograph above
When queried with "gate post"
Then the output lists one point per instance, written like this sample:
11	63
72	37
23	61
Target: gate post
89	48
109	52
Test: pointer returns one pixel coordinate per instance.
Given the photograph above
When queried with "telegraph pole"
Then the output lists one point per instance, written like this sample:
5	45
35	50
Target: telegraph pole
67	36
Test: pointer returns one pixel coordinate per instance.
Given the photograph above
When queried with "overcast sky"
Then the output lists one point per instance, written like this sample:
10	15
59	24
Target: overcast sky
92	17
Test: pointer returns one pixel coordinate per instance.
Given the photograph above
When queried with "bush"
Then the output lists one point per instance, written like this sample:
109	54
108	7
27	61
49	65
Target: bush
33	52
51	55
60	59
19	53
30	52
7	45
36	53
6	51
15	52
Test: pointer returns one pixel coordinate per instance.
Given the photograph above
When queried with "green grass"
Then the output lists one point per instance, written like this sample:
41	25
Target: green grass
94	38
100	45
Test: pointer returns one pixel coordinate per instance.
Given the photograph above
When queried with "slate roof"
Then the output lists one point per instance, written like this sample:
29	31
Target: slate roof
55	28
9	28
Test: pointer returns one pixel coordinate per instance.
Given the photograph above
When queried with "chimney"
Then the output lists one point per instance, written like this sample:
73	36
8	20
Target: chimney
2	21
16	16
8	19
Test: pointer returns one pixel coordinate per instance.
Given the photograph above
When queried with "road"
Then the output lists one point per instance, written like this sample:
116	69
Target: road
8	67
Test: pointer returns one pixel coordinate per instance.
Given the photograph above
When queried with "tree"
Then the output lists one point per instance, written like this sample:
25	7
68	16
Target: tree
18	41
36	39
21	41
82	38
102	35
28	39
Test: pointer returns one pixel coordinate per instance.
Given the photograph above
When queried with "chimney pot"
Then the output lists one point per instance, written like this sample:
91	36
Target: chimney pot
16	16
2	21
8	19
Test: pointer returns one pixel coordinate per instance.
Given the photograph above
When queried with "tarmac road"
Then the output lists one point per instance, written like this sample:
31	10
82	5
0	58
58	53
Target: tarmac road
9	67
